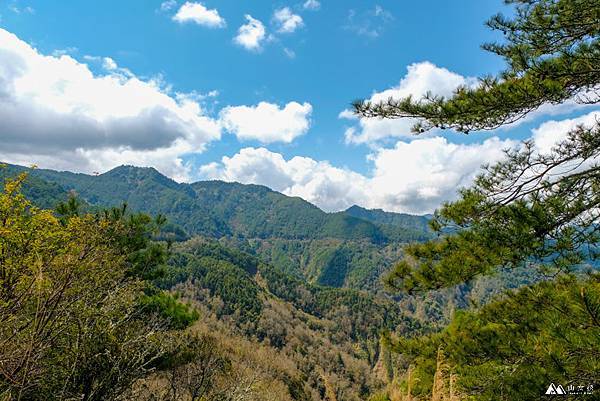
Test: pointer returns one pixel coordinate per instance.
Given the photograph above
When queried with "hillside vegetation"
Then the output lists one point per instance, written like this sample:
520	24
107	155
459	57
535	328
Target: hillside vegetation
345	249
169	321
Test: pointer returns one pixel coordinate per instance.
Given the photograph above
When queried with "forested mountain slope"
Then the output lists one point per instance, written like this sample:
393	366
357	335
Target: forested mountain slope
329	335
378	216
214	208
345	249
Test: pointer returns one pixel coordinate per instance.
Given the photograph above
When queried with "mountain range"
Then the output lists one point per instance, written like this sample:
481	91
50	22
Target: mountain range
343	249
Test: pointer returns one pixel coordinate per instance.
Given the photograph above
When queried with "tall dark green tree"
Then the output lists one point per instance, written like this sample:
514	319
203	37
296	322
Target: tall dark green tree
532	209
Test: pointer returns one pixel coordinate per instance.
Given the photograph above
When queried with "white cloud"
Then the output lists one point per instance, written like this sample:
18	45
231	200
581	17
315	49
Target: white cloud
109	64
420	78
419	176
267	122
168	5
286	21
251	35
54	111
547	136
549	109
318	182
552	132
63	52
199	14
311	5
382	13
413	177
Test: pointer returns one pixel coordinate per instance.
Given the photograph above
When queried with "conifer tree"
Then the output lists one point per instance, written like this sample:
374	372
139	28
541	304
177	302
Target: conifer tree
532	204
533	209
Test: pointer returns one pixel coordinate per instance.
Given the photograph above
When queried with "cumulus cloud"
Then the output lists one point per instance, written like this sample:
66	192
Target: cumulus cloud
420	79
109	64
286	21
552	132
311	5
251	35
548	109
419	176
413	177
54	111
267	122
199	14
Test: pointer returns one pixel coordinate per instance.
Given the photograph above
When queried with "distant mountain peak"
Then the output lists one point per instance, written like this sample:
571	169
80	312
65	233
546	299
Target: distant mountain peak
355	207
128	169
229	184
138	173
359	209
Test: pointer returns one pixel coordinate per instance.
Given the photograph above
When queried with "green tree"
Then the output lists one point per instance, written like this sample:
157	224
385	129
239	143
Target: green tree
533	209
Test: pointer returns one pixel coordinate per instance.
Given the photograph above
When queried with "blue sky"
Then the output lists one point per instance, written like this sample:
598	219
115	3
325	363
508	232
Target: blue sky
264	108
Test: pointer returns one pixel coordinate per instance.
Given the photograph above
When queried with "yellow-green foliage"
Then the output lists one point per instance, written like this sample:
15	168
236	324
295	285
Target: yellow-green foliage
71	322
